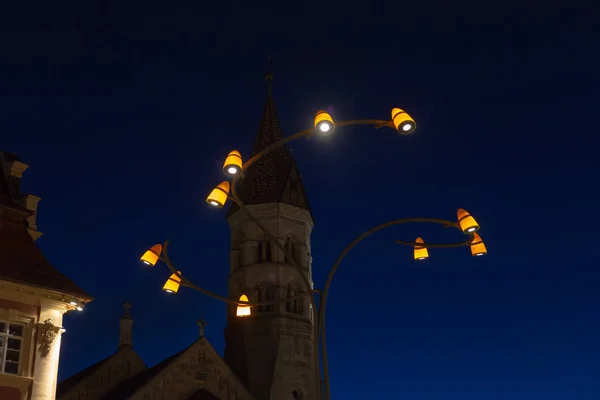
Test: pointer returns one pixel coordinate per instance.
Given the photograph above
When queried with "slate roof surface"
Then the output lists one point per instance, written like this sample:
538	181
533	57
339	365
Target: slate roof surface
267	179
21	260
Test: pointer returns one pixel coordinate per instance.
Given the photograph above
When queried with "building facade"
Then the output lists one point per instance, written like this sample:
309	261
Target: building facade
34	295
271	354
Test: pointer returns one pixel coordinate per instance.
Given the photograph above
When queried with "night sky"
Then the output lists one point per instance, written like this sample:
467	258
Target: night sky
126	112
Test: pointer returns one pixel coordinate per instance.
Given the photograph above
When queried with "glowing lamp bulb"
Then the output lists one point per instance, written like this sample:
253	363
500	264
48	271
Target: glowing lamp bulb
152	255
477	246
420	251
466	221
218	196
324	123
233	163
403	122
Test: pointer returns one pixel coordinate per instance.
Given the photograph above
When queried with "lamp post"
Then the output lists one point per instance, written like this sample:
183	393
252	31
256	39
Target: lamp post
234	166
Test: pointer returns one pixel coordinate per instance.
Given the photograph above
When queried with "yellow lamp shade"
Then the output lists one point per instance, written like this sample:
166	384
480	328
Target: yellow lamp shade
477	246
243	311
233	163
152	255
172	285
324	124
218	196
403	122
421	252
466	221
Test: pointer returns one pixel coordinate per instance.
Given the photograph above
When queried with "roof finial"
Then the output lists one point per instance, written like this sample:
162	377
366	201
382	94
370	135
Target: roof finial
127	306
201	323
269	76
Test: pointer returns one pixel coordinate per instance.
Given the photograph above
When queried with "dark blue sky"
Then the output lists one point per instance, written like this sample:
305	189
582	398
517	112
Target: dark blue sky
126	112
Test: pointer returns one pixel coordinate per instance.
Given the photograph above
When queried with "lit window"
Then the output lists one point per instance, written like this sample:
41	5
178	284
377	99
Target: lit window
11	341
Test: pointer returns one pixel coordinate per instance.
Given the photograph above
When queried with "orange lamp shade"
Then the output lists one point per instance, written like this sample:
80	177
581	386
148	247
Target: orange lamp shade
466	221
403	122
421	252
243	311
324	123
218	196
152	255
477	246
172	285
233	163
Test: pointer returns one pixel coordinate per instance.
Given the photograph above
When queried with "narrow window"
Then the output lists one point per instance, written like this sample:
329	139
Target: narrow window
11	341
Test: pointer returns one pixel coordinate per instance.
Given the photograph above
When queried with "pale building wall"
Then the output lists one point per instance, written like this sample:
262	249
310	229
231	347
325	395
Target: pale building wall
40	312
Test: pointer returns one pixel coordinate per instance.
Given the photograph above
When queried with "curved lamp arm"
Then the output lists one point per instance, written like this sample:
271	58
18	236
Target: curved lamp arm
336	265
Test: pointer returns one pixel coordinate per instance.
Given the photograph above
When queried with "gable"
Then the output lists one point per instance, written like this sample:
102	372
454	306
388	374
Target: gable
98	379
197	372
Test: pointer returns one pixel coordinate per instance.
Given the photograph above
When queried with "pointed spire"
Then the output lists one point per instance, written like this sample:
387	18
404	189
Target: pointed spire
126	326
275	177
269	78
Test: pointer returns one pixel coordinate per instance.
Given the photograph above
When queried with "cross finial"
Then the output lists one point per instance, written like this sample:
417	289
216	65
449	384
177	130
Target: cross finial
201	323
127	306
269	76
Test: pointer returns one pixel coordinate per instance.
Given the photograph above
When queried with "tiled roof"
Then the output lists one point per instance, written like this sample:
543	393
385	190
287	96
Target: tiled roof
266	180
22	261
124	389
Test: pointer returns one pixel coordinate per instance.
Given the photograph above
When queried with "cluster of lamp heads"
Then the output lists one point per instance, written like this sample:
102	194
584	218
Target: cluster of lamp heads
468	225
324	126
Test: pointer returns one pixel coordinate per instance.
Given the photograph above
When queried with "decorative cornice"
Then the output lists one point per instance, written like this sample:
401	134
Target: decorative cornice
273	210
37	296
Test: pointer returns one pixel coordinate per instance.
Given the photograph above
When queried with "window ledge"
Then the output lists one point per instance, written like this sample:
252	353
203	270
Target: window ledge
16	381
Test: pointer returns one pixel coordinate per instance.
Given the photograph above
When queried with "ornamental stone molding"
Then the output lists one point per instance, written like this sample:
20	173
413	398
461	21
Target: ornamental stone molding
274	210
47	334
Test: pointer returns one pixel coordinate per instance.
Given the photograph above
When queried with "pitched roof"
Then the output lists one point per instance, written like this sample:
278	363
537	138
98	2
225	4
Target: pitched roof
21	260
67	384
270	179
124	389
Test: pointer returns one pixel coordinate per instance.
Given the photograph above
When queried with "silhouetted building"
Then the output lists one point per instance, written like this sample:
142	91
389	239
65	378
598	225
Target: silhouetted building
270	354
34	295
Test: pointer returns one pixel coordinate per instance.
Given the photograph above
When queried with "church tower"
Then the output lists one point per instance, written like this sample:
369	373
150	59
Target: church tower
273	350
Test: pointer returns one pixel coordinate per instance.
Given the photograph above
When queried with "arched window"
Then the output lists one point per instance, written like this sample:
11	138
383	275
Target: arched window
265	292
296	305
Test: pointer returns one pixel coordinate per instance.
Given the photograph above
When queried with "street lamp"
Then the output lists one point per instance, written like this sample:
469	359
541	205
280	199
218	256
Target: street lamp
420	252
218	196
233	163
323	125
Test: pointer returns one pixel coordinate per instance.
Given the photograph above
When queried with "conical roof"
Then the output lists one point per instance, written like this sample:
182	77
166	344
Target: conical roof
274	178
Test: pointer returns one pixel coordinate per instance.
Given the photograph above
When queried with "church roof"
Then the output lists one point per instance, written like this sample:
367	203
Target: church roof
274	177
124	389
67	384
21	260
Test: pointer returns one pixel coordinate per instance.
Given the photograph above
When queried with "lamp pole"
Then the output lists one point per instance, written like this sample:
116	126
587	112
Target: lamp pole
324	124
